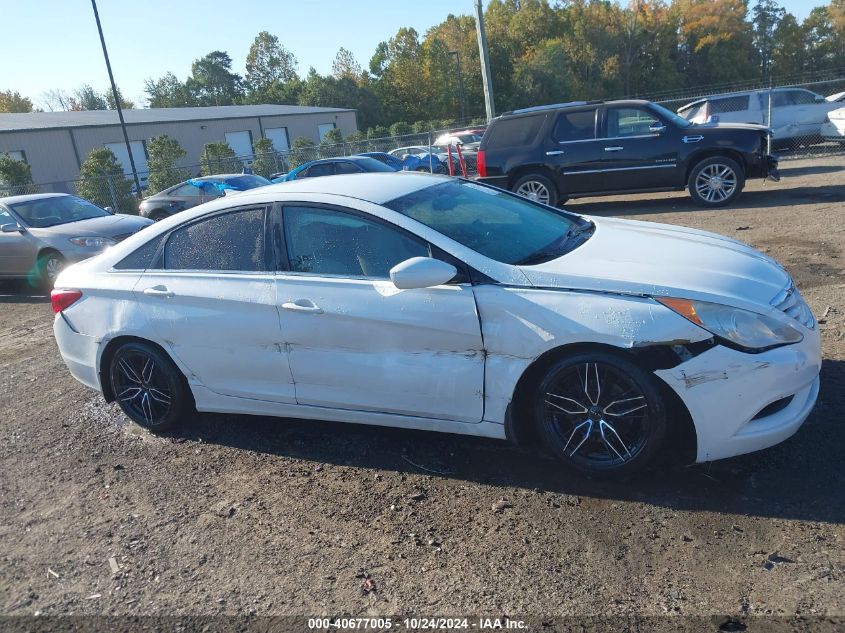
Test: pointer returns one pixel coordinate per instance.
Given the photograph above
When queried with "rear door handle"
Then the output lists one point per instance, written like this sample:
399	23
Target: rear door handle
555	152
302	305
159	291
615	148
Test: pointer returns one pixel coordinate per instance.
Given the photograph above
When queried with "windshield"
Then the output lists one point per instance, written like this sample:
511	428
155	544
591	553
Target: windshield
677	119
44	212
495	223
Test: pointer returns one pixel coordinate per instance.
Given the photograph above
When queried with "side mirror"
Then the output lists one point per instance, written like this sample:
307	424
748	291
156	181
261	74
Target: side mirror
421	272
108	210
713	118
657	128
820	99
13	227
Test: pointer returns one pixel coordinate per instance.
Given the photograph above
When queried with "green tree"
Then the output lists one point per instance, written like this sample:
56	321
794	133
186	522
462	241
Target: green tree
219	158
267	160
767	15
102	181
164	156
302	150
789	54
14	102
125	104
86	98
213	82
169	92
268	64
345	66
15	177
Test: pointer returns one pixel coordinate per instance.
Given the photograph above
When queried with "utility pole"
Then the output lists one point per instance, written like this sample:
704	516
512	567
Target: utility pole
485	61
117	103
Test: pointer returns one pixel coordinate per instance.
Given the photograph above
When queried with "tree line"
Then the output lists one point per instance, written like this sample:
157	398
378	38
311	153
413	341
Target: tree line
541	52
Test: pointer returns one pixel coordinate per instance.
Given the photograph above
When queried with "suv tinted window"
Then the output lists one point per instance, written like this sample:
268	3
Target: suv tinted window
329	242
515	131
629	122
575	126
737	103
231	241
782	98
186	190
802	97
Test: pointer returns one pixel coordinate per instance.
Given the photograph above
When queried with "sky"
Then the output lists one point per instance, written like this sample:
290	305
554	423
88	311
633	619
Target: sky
53	44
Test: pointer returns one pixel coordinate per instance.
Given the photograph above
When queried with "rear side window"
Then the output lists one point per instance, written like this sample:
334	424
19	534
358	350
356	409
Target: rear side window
729	104
320	169
515	132
142	257
347	168
802	97
231	242
575	126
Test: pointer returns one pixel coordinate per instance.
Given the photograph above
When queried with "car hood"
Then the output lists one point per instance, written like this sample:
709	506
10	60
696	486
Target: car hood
732	126
113	226
661	260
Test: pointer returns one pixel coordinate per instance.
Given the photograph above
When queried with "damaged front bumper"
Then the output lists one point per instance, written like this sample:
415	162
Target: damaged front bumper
740	403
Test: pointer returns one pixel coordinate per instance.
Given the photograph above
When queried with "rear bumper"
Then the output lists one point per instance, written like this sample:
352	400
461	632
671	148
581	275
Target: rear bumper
79	352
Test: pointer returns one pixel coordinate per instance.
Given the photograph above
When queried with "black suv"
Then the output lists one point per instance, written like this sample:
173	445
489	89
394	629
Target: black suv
553	153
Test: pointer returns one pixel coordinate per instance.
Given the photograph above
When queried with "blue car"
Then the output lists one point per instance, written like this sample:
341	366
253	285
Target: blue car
332	166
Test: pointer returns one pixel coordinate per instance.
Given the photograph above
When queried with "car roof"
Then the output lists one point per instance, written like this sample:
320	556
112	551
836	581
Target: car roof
375	187
574	104
30	197
354	157
740	93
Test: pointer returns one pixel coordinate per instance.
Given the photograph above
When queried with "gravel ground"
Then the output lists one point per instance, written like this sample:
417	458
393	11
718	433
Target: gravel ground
249	515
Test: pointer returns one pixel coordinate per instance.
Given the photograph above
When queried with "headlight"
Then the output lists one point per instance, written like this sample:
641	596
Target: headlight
92	242
741	327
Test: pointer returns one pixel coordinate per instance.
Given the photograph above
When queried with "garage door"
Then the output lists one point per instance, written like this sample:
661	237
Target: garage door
279	137
139	154
241	143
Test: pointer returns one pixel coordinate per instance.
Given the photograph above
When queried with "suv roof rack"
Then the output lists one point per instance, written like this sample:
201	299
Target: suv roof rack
552	106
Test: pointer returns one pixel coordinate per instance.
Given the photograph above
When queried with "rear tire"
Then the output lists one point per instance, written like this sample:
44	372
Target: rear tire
157	216
600	414
538	188
716	181
148	386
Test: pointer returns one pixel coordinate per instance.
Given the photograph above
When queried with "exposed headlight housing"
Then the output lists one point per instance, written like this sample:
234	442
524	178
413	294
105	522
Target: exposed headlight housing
741	328
92	242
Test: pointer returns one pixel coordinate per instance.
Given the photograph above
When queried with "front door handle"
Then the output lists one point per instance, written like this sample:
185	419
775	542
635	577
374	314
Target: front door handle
692	139
159	291
555	152
302	305
615	148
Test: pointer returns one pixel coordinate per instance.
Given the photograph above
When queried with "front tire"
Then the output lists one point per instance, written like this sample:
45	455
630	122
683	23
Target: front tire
716	181
538	188
600	414
49	266
148	386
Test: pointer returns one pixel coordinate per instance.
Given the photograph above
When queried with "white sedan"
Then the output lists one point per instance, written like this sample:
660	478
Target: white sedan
425	302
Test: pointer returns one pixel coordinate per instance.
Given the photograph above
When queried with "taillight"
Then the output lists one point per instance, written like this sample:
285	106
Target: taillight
63	299
481	163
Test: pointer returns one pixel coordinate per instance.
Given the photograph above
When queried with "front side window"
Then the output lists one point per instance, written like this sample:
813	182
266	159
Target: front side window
41	213
228	242
320	169
803	97
622	122
579	125
329	242
494	223
6	218
782	99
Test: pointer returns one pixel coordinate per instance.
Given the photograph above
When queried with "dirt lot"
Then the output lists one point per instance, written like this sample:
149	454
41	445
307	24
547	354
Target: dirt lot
245	515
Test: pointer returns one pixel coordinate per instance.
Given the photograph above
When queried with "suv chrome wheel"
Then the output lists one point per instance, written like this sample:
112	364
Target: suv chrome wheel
537	188
714	182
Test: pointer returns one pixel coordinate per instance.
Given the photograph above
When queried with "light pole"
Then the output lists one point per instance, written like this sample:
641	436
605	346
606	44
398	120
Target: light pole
457	55
485	61
117	102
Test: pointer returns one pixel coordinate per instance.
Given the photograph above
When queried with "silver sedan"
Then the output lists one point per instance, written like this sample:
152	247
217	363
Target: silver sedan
42	233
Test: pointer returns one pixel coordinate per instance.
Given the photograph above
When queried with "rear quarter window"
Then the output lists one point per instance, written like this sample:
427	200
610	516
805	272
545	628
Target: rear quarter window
729	104
515	131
